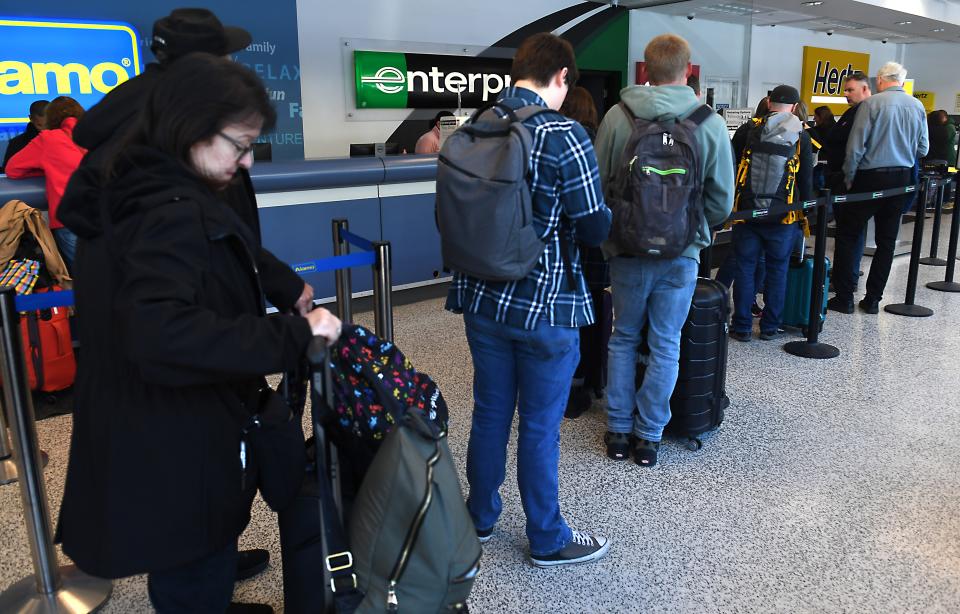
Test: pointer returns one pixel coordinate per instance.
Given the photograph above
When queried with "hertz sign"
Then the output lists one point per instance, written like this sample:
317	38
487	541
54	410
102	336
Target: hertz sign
44	59
823	73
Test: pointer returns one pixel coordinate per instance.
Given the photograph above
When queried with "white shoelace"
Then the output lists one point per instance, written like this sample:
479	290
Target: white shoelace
583	539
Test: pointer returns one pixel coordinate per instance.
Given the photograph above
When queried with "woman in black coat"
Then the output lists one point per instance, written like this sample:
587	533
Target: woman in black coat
175	343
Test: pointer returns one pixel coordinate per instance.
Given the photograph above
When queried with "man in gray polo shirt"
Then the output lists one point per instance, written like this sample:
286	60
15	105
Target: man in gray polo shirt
889	134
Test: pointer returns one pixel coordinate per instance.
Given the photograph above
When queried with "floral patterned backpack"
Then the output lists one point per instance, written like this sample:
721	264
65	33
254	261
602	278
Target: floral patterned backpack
374	385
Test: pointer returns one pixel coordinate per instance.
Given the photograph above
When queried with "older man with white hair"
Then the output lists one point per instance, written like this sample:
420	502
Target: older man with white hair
889	134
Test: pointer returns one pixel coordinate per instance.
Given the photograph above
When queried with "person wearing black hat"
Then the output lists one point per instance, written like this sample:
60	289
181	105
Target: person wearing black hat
103	127
775	168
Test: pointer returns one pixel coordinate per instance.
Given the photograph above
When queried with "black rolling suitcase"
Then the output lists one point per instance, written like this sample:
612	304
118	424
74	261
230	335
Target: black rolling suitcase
699	397
304	541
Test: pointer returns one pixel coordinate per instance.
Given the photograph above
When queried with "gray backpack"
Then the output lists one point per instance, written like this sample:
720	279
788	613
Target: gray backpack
767	172
484	209
414	543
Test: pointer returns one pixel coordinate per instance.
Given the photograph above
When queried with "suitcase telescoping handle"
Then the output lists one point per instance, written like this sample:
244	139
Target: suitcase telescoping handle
339	559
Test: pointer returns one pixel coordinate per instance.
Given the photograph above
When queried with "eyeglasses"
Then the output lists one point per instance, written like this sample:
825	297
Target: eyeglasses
242	150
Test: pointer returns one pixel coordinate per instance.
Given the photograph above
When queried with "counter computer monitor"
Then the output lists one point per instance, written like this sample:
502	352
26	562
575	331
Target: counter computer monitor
359	150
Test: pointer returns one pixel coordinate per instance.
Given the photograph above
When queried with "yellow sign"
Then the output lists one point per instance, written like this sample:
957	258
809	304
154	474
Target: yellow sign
823	73
908	86
929	99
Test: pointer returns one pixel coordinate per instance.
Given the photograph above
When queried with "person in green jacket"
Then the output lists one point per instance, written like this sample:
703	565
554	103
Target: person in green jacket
650	290
943	138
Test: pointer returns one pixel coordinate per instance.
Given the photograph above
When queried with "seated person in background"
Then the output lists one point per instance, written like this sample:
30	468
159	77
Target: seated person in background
176	343
34	126
429	142
53	155
776	165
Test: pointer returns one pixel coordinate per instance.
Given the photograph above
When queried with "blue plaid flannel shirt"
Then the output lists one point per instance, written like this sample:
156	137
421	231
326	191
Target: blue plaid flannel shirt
564	186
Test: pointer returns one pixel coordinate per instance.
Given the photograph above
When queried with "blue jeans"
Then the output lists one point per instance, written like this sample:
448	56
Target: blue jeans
67	242
657	294
773	242
728	271
529	370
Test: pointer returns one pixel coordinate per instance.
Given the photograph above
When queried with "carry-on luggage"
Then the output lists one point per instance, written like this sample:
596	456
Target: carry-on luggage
412	544
699	398
796	305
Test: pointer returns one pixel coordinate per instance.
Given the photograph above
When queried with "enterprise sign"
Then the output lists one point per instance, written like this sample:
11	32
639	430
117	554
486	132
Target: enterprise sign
421	81
40	60
823	73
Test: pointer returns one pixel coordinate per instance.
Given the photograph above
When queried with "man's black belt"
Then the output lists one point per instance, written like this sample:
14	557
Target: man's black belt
887	169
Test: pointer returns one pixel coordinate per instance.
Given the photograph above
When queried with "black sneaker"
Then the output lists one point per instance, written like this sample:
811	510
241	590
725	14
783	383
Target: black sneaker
618	445
583	548
645	452
772	334
869	305
251	562
840	305
745	337
484	535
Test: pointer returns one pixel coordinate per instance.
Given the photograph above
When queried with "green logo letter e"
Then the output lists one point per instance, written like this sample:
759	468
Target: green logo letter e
381	80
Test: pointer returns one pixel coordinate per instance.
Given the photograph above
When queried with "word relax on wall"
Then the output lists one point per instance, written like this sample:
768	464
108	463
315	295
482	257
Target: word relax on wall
416	80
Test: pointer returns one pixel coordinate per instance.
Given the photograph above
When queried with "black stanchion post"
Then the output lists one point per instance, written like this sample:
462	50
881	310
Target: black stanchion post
948	285
811	347
908	307
932	260
8	467
343	279
51	589
382	289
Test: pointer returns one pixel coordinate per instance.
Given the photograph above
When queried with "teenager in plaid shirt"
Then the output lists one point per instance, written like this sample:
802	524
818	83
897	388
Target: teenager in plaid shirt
523	334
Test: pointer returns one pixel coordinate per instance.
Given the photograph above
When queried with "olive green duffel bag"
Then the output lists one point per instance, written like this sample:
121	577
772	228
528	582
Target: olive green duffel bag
414	544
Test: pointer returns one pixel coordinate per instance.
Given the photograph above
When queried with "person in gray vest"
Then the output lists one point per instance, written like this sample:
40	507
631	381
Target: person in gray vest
889	134
776	168
648	290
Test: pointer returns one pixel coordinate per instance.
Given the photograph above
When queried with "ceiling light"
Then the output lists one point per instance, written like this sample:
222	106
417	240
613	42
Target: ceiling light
937	30
904	23
817	3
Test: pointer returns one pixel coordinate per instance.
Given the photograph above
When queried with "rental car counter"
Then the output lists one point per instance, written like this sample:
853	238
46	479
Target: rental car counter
383	199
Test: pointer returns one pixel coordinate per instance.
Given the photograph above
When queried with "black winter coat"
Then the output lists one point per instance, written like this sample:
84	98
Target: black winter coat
102	129
175	346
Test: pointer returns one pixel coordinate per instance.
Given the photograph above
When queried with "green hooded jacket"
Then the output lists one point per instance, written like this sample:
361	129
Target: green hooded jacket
716	155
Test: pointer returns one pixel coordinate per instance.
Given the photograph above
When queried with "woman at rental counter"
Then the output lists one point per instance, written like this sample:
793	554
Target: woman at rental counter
175	343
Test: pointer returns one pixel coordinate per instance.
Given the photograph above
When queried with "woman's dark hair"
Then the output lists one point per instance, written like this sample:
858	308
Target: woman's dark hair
763	107
60	109
194	98
579	105
540	57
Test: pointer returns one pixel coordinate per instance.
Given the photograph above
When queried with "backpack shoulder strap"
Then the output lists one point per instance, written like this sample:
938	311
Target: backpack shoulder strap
626	111
700	115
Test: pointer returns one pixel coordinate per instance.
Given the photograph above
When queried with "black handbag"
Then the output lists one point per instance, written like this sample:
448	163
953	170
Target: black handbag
275	446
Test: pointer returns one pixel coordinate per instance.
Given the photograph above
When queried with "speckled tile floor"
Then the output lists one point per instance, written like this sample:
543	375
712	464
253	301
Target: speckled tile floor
831	487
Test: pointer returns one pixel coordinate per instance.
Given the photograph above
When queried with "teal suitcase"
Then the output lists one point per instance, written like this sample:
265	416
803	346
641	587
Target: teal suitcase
796	305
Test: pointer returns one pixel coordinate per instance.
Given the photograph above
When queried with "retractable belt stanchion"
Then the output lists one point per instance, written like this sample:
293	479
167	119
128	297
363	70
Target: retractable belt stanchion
8	467
811	347
51	589
343	279
948	285
908	307
382	288
932	259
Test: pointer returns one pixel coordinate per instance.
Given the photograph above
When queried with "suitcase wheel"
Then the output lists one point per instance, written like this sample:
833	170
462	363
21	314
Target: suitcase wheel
694	444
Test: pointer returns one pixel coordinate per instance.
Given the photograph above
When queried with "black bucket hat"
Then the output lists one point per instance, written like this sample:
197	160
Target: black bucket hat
185	31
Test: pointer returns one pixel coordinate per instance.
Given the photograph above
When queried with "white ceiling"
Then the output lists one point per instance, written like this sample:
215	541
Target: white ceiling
869	19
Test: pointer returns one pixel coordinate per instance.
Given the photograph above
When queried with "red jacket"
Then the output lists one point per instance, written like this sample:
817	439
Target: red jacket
54	155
